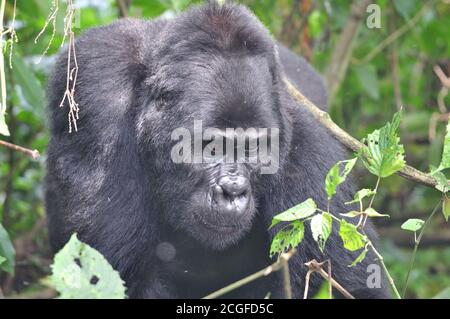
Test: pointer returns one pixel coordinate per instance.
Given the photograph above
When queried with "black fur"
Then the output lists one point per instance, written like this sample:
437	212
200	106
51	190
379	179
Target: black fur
113	181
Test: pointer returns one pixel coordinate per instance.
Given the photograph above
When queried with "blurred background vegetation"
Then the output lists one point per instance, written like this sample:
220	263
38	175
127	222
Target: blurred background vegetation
370	72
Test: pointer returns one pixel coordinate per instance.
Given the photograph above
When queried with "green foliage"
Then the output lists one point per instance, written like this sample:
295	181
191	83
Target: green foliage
367	76
300	211
444	294
363	193
445	161
7	253
359	259
413	224
287	238
81	272
321	225
353	240
335	177
442	182
383	155
446	208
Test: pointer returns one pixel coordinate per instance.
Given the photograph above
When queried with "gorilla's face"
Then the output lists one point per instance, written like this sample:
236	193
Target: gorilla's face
204	100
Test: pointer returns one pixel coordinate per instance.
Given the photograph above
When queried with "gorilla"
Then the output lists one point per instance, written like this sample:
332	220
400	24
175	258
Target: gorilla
184	230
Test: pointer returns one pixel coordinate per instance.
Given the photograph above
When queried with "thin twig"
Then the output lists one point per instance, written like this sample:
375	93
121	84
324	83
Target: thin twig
307	280
343	49
262	273
123	7
33	153
51	19
286	276
386	271
350	142
445	80
416	246
315	266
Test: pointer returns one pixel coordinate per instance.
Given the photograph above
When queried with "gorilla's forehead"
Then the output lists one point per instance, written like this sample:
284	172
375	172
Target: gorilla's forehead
216	29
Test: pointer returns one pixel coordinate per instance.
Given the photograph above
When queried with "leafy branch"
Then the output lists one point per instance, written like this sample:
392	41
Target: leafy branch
349	141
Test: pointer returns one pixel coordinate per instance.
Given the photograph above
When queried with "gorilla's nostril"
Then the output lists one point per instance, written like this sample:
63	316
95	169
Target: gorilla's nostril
234	186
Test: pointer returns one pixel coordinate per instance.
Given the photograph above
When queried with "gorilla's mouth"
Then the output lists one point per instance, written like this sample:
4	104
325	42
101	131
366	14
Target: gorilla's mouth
216	227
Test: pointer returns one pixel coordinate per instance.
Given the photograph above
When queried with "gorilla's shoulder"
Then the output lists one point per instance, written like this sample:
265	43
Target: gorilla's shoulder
304	77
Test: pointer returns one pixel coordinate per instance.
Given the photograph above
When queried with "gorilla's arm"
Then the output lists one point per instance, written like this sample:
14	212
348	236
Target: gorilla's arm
304	77
96	185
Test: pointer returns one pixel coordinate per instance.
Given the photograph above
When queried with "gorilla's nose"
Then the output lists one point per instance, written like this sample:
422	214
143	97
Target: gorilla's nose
232	194
234	186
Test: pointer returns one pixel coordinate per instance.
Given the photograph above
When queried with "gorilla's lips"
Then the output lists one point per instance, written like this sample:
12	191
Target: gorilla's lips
226	219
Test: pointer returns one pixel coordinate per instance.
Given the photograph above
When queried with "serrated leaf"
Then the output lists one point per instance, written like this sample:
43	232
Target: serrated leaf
81	272
288	238
334	177
383	154
351	237
363	193
321	225
300	211
446	208
413	224
6	251
373	213
359	259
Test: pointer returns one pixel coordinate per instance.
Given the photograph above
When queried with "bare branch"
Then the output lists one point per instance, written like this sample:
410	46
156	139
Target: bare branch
342	52
315	266
124	6
33	153
262	273
349	141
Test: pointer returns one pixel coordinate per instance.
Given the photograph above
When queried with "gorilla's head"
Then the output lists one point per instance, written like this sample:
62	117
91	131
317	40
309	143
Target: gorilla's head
213	81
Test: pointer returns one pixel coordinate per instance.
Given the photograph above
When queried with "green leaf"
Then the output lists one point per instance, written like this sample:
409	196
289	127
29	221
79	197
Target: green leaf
302	210
446	208
383	154
2	260
81	272
352	238
363	193
445	160
373	213
335	177
368	79
359	259
352	214
3	127
7	252
405	7
444	294
413	224
442	181
288	238
29	84
321	225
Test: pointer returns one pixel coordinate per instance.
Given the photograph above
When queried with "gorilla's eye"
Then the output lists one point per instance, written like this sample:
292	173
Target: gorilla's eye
162	100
